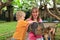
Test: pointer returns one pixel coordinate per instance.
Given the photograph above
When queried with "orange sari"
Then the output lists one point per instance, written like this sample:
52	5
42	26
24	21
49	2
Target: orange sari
21	29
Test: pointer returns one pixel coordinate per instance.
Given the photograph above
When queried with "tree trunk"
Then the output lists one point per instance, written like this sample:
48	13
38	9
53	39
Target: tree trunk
0	7
51	14
10	12
9	9
0	11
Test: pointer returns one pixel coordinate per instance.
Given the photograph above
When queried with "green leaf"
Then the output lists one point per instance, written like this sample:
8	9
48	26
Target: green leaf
4	1
58	1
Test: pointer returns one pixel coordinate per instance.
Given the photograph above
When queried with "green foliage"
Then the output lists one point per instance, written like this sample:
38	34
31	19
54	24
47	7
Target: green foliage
47	2
58	25
58	1
49	19
16	3
27	4
58	32
4	1
23	4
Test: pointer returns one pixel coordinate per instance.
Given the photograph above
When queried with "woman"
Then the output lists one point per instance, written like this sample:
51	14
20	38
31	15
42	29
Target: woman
34	18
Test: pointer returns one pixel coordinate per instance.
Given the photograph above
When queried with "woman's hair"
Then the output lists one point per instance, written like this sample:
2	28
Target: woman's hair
37	10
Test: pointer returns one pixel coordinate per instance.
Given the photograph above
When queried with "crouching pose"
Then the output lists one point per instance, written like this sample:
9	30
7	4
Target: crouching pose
36	31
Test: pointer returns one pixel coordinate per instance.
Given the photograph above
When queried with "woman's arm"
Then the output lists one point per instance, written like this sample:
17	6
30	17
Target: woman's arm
40	20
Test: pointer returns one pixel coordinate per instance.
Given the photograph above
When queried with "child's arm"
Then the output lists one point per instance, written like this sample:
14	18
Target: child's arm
21	29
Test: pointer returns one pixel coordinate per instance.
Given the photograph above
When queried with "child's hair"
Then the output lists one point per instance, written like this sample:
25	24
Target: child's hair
20	13
34	26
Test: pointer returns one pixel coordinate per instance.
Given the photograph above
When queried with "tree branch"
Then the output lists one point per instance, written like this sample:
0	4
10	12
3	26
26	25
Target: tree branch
53	15
54	6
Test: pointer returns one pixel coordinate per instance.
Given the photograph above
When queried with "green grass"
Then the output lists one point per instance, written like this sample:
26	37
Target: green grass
6	28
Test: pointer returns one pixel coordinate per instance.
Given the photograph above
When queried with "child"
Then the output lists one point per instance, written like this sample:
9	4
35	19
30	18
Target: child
35	31
21	27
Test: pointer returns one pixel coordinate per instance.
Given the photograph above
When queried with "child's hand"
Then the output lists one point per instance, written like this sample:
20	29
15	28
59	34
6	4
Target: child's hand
31	22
